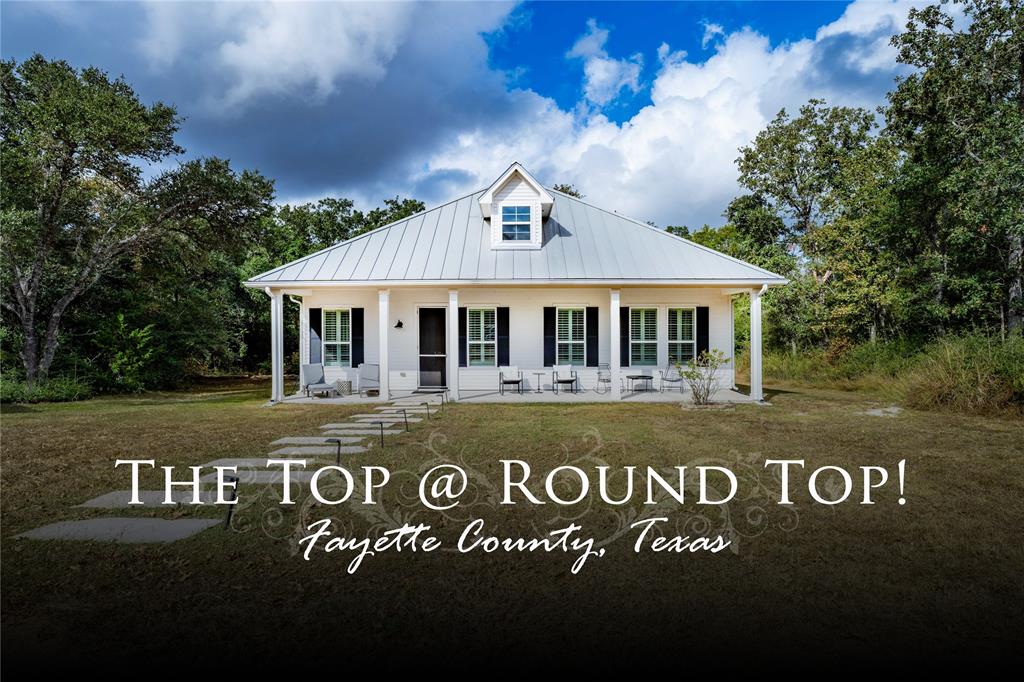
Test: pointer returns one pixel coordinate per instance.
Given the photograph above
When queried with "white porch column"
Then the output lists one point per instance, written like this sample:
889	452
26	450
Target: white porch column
756	391
276	345
384	324
613	342
452	361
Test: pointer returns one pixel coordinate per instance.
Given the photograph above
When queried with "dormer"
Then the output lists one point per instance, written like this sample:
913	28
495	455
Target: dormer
516	204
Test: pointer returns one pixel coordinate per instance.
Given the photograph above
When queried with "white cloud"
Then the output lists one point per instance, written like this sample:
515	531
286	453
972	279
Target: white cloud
674	161
710	31
604	77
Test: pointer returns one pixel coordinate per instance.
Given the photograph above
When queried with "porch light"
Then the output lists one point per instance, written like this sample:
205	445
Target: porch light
398	325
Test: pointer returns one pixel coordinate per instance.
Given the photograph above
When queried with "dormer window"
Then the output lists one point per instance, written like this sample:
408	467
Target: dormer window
515	223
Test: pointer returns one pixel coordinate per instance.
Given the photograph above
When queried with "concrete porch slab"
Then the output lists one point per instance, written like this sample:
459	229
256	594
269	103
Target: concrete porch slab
126	530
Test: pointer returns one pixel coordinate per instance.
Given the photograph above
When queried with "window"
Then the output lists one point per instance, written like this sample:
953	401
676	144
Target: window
481	333
682	345
571	337
515	223
337	338
643	336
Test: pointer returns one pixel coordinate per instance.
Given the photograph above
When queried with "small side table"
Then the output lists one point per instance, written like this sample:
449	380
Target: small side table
540	377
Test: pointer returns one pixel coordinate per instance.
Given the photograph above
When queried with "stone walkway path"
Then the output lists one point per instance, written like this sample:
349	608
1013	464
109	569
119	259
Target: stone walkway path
355	436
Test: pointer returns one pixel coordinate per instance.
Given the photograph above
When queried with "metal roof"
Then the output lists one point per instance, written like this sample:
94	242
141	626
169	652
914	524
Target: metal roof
451	243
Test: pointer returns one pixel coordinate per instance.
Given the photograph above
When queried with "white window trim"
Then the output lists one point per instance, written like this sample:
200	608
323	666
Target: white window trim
469	341
323	337
669	330
558	343
633	342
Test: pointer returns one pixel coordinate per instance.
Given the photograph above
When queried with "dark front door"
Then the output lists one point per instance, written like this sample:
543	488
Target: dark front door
432	348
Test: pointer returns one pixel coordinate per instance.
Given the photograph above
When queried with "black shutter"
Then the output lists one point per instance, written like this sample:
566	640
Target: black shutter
549	337
591	327
463	349
503	337
702	329
624	337
357	337
315	340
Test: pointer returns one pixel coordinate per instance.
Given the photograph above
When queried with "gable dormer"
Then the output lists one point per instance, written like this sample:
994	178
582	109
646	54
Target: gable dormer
516	204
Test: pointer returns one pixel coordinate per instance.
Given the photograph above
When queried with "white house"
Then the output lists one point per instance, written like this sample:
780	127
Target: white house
513	275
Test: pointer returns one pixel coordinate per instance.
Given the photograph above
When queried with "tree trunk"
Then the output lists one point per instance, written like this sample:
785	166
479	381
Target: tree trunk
30	353
873	333
1016	292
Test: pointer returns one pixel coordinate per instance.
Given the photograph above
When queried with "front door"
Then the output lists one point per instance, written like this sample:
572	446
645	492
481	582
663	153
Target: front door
432	348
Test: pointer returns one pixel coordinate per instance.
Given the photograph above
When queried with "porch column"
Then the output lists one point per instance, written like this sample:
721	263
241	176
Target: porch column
276	345
383	326
452	361
613	342
755	343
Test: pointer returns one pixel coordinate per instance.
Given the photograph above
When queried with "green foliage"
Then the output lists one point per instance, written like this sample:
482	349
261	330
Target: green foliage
126	353
52	390
702	375
569	189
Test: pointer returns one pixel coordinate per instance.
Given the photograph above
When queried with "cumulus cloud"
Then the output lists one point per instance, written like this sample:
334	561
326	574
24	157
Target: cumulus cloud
710	31
604	77
674	161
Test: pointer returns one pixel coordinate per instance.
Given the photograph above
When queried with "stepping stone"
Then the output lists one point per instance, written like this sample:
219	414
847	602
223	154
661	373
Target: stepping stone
362	430
119	499
410	410
358	426
264	476
314	450
380	417
243	463
315	440
128	530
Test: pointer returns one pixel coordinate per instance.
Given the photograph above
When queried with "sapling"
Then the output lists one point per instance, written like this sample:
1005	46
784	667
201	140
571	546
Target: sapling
702	375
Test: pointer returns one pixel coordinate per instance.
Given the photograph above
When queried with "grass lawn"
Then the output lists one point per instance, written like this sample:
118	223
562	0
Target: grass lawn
938	577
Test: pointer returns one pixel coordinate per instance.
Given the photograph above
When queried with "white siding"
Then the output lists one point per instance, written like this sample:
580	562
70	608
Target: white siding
516	192
526	326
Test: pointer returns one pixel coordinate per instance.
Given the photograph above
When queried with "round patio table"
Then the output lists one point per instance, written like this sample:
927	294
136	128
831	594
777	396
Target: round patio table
633	378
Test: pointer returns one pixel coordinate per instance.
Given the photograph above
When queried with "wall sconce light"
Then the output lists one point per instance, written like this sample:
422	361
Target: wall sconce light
398	325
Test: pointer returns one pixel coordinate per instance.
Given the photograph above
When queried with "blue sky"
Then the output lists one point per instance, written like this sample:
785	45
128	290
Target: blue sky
641	105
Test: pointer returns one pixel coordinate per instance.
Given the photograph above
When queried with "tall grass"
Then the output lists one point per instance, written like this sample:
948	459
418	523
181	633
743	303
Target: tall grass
972	372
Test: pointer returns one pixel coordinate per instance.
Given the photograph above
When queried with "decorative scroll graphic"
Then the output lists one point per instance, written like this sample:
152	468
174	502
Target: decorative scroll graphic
753	510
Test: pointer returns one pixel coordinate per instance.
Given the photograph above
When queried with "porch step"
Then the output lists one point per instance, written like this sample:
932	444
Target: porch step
317	440
312	450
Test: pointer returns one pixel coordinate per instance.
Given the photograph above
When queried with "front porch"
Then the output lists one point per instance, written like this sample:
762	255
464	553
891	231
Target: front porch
531	397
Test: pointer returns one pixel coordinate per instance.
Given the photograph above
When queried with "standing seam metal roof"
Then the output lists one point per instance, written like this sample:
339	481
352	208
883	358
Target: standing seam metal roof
452	242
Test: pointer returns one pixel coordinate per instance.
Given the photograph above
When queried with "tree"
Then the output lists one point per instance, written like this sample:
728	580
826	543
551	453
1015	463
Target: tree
74	202
569	189
959	119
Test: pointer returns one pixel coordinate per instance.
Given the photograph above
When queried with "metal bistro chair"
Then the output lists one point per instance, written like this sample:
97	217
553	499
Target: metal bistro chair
510	376
670	375
604	378
313	380
369	377
564	374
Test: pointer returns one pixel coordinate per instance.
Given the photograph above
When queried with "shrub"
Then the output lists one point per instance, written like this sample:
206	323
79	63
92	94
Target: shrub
702	375
53	390
972	373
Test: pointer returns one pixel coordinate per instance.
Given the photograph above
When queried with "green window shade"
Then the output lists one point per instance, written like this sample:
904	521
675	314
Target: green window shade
481	334
681	335
337	334
643	335
571	336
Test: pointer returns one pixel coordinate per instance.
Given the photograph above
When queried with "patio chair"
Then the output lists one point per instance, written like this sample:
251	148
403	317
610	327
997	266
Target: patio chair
604	378
670	375
564	375
313	380
510	376
369	377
